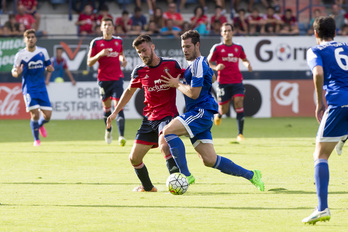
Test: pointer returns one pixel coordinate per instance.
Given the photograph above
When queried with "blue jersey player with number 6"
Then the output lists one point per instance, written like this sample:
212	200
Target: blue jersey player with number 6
329	64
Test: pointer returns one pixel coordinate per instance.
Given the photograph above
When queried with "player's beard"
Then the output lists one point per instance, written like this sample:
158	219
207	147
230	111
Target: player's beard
149	60
192	57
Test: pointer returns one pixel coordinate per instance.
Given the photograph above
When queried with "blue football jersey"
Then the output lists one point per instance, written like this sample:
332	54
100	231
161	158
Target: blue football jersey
34	64
199	74
333	57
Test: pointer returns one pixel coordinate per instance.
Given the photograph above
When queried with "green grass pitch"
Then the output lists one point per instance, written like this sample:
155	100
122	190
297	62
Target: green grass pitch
76	182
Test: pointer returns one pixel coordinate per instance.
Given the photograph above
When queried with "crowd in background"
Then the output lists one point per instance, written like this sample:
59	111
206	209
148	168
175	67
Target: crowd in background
169	22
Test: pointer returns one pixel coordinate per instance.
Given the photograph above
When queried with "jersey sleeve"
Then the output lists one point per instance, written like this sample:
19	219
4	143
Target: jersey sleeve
242	53
212	54
313	59
65	64
92	47
135	79
198	72
47	58
17	60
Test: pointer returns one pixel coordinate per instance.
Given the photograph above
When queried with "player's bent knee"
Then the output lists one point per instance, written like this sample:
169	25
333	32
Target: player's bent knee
208	162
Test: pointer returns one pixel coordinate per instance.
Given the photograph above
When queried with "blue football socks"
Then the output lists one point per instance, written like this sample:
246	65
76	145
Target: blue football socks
322	175
177	149
227	166
35	129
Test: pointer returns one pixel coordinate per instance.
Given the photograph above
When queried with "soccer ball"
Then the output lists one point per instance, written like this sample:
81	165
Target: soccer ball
177	184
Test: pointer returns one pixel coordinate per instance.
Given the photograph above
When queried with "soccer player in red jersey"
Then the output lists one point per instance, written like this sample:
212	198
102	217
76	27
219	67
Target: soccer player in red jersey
224	58
159	109
108	52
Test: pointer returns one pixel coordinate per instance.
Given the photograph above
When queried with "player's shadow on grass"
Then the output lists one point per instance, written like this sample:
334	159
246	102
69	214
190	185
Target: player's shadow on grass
157	207
286	191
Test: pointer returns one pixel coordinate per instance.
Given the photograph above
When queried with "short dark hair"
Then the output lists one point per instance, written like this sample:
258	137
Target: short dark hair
29	31
228	24
141	39
106	19
193	34
325	27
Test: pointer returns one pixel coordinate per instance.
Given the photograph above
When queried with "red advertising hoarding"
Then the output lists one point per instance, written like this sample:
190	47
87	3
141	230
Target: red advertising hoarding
11	102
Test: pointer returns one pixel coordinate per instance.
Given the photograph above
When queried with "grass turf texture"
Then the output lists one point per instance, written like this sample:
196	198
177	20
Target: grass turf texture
76	182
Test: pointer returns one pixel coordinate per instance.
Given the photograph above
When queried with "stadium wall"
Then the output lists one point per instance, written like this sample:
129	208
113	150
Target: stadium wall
280	84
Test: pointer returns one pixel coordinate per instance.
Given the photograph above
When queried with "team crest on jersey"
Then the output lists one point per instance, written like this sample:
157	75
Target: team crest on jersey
166	69
236	49
116	43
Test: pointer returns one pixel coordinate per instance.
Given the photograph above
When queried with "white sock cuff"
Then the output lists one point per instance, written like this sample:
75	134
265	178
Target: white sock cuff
318	161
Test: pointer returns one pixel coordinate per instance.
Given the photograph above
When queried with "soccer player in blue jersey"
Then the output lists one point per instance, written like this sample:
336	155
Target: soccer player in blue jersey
199	117
329	64
31	62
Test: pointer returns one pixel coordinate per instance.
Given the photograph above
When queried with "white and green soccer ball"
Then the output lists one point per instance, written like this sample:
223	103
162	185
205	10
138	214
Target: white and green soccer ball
177	184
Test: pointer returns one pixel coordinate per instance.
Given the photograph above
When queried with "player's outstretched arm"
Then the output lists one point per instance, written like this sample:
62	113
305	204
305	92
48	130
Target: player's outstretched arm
126	96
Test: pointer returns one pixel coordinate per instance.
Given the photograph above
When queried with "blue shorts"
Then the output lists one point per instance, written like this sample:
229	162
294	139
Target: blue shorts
111	89
334	124
150	130
228	91
198	123
37	100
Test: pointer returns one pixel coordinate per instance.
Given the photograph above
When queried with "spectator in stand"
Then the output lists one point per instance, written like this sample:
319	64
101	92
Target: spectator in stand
83	3
170	31
124	21
316	13
119	31
158	18
344	30
86	21
31	8
255	22
104	12
199	21
97	30
272	21
60	65
171	13
152	29
186	26
338	14
289	24
10	26
20	29
216	26
25	18
136	30
138	18
218	16
240	23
